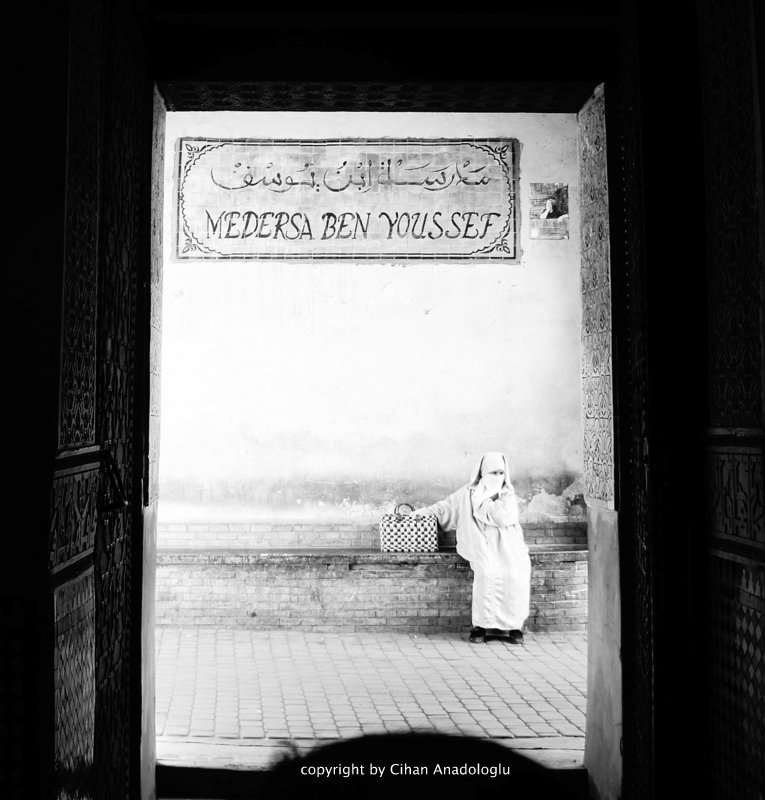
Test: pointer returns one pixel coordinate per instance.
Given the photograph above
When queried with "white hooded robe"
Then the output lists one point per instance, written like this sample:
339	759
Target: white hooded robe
491	539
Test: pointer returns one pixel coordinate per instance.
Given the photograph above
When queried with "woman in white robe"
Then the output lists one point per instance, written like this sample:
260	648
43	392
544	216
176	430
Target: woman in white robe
484	513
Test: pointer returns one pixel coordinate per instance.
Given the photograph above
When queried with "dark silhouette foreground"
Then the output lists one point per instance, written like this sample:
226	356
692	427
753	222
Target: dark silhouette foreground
416	765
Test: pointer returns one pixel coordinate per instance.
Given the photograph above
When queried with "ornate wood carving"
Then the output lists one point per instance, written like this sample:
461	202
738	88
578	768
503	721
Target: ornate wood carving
735	194
635	533
437	96
122	253
736	348
74	681
737	676
75	489
77	406
73	517
597	374
737	511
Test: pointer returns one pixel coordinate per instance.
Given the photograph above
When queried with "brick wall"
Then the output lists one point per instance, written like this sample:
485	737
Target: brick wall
424	592
280	534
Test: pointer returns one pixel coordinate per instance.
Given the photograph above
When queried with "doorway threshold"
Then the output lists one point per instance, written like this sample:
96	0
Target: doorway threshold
552	752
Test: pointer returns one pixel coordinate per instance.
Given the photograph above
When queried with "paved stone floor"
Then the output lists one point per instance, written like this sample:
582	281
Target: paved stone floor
239	699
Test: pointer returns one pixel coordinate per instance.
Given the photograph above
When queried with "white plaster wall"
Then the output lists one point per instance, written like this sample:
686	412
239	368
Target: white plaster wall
333	388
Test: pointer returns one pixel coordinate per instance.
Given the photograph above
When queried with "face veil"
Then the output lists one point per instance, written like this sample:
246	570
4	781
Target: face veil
491	461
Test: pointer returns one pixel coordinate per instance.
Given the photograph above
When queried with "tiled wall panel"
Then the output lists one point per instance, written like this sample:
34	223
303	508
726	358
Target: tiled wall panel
597	373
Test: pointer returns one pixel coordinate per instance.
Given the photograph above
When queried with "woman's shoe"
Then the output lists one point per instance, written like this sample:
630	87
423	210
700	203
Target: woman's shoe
515	637
477	635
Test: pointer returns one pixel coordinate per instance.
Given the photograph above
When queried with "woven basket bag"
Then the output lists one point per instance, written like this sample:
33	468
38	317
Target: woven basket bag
408	533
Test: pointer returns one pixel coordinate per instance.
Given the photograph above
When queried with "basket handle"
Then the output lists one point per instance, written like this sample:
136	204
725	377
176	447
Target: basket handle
400	505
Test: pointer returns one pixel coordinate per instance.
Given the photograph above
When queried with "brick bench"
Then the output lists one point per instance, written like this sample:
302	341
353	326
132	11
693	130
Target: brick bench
354	589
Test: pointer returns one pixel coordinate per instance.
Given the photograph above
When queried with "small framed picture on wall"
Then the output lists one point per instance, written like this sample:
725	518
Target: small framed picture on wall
549	211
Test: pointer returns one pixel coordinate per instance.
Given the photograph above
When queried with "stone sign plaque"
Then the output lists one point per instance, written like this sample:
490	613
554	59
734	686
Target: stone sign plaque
355	199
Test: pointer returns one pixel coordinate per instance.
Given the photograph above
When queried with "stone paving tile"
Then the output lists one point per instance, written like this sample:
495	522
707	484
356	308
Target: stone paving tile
232	684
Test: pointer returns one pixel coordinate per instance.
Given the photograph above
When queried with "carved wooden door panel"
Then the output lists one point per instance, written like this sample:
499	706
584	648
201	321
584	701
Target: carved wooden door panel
736	420
96	498
75	492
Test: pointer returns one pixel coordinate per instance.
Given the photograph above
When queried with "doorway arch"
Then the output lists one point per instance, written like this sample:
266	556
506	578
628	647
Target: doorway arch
603	755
